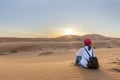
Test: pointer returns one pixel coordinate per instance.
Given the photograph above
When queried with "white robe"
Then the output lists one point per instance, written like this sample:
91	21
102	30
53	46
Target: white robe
82	52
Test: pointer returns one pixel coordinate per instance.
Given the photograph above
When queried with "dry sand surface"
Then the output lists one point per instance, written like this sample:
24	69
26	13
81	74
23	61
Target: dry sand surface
54	61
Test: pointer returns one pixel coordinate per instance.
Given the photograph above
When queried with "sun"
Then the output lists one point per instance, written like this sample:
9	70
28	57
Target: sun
69	31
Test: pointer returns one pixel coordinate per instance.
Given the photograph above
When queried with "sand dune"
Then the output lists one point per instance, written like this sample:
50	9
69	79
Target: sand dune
54	61
67	38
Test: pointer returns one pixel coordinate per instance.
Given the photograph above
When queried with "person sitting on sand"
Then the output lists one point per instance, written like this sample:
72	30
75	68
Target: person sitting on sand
82	56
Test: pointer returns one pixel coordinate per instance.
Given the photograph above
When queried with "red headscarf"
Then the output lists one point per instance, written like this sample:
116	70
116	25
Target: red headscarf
88	42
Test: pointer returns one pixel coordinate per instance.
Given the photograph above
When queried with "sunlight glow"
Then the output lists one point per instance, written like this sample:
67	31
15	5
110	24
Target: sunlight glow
69	31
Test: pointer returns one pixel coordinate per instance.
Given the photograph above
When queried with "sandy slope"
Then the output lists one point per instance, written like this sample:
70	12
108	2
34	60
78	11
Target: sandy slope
51	71
58	64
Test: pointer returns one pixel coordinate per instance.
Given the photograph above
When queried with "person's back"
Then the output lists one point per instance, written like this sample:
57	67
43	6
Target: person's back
85	55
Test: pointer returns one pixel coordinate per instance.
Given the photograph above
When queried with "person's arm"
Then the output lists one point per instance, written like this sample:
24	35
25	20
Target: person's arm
79	52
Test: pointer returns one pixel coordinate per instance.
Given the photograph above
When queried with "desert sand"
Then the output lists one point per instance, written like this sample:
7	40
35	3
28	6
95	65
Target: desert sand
54	61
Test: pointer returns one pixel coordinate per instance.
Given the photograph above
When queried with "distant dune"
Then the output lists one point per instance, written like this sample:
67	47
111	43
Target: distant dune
67	42
94	37
81	38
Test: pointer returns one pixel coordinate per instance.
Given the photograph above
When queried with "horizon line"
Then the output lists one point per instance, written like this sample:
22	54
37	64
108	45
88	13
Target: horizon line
58	36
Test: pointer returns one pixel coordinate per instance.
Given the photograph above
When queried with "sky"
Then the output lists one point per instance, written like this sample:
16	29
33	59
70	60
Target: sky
53	18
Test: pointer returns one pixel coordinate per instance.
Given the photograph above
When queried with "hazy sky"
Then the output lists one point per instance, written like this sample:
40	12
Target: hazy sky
50	18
